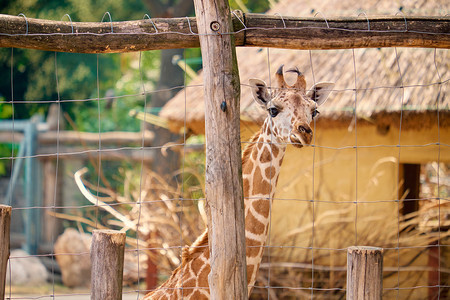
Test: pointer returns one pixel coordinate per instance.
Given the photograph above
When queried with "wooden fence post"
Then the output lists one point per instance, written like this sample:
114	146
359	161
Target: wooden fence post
5	225
364	273
223	178
107	254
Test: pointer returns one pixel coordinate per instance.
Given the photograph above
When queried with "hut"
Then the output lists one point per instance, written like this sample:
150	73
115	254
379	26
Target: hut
384	127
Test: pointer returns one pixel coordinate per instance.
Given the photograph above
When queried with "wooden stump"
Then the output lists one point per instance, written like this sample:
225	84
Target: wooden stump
5	225
107	254
364	273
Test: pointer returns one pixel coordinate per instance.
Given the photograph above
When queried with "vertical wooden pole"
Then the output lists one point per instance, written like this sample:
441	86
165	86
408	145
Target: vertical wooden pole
5	225
223	186
152	269
364	273
52	226
107	254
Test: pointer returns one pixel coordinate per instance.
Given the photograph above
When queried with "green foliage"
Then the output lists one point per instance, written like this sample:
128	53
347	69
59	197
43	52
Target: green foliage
121	95
3	167
79	10
33	72
254	6
5	149
6	109
193	53
194	168
117	79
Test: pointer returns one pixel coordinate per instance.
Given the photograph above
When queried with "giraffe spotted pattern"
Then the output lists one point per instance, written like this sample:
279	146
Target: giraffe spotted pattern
290	111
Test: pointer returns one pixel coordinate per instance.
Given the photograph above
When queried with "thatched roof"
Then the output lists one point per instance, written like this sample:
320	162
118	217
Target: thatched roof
380	73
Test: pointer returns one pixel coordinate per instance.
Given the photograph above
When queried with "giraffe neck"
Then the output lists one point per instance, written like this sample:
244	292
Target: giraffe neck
261	164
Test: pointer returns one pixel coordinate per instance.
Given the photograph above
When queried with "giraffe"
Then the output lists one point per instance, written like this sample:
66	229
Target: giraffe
290	110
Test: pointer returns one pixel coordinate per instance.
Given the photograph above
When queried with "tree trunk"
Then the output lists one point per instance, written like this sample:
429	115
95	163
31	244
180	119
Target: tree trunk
170	76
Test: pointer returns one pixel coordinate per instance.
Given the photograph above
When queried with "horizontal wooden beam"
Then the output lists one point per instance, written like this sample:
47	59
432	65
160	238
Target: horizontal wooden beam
110	138
66	137
70	141
250	30
116	154
345	33
97	37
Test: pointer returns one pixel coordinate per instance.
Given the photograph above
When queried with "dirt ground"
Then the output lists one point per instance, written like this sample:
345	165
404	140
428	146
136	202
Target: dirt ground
59	293
127	296
133	296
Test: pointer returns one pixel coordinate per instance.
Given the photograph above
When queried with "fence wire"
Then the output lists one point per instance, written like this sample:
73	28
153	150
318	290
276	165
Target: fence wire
316	269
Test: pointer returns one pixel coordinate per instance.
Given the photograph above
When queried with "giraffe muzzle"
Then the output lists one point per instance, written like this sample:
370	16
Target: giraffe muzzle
301	136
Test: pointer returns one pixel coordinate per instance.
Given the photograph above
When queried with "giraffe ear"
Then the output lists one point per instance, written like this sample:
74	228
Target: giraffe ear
320	92
259	91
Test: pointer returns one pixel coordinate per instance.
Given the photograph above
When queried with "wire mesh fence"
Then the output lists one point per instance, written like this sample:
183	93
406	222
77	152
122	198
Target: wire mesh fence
376	173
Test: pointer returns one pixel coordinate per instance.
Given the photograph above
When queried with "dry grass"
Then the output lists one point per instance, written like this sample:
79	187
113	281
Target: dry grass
293	267
168	218
292	270
160	216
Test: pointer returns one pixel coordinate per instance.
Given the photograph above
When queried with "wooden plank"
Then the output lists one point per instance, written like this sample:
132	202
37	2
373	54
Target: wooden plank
107	255
113	137
364	273
96	37
344	33
5	225
77	137
9	137
52	193
108	153
223	179
260	31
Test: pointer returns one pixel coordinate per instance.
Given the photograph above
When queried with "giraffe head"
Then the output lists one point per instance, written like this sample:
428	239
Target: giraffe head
291	108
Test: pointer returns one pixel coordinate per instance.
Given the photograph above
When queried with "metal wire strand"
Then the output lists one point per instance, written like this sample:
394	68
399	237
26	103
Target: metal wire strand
313	200
154	26
110	20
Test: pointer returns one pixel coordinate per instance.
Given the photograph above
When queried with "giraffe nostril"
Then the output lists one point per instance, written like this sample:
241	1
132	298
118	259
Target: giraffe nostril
302	129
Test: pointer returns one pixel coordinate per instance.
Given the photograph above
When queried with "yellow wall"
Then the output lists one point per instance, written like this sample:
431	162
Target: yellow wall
342	174
367	173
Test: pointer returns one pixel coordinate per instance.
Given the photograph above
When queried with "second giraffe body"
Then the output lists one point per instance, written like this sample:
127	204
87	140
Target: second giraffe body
290	111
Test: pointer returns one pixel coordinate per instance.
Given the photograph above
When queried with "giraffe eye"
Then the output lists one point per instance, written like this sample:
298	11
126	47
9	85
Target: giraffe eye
315	113
273	112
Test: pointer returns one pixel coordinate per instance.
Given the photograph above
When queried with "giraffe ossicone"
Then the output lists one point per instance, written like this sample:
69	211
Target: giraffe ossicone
290	110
